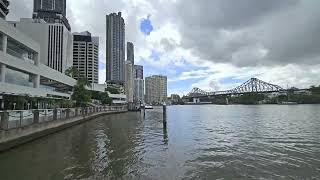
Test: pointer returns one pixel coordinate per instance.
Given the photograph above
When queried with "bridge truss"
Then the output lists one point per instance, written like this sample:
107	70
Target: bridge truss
252	85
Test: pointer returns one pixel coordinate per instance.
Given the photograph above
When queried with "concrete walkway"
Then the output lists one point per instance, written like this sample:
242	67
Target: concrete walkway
15	137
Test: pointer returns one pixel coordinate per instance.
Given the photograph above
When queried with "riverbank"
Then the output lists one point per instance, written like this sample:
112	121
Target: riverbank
15	137
199	142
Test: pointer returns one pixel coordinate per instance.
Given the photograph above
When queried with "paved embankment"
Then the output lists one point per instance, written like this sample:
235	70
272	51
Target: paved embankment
15	137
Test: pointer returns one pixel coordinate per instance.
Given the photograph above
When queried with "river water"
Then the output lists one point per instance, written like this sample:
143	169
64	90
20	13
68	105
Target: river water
200	142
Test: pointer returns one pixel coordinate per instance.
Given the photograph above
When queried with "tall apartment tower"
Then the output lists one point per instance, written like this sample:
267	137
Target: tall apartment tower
55	41
156	89
138	90
138	72
129	81
4	8
115	47
130	52
138	84
51	11
86	56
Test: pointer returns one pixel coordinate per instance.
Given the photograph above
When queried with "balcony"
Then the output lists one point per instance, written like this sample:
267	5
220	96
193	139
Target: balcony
16	77
54	86
20	51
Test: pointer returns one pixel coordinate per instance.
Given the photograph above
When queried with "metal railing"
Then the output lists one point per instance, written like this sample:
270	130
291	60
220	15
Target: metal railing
20	119
19	55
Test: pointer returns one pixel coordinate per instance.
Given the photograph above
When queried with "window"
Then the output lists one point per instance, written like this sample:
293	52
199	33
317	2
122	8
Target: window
19	50
18	78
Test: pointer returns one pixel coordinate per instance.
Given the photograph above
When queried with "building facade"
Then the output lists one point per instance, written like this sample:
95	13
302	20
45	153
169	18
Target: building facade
138	91
4	8
51	11
138	94
130	52
21	70
55	40
86	56
115	47
129	81
175	99
138	72
156	89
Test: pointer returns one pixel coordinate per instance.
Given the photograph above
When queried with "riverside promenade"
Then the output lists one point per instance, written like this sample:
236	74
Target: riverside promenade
19	127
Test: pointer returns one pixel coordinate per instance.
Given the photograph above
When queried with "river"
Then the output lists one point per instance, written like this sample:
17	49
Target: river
200	142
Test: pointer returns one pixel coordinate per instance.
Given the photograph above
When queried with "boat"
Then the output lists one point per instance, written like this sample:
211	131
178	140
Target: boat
288	103
199	103
148	107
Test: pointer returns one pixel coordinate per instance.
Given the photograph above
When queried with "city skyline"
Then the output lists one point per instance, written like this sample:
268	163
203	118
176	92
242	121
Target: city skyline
164	89
231	55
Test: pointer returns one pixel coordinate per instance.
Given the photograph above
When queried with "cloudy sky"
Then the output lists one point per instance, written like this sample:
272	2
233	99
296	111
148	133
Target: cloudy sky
210	44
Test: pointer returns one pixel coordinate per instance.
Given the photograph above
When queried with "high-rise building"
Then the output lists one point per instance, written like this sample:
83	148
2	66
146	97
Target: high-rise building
86	56
138	72
130	52
51	11
55	41
156	89
115	47
175	99
129	81
138	94
22	72
4	8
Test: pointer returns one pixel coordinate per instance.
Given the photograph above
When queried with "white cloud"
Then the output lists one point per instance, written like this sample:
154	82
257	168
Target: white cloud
275	41
102	76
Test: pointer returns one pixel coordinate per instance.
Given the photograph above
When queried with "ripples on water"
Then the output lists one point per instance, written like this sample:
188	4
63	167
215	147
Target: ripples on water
200	142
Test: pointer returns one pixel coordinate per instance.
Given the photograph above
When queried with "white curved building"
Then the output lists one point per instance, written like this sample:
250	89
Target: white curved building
22	72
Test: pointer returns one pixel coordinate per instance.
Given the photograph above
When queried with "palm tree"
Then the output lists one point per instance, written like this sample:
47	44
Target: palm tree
72	72
80	94
84	81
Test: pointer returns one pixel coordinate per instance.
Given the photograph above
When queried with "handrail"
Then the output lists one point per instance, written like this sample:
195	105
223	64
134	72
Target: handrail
16	119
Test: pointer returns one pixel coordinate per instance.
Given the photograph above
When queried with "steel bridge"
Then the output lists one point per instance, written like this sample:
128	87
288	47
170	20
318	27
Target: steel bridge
252	85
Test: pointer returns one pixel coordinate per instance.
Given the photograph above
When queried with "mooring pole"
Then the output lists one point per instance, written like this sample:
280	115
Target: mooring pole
164	111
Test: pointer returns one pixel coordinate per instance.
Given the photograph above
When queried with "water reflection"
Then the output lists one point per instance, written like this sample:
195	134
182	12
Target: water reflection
206	142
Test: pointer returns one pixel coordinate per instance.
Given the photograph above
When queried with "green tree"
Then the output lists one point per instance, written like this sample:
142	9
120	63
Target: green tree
103	97
72	72
282	98
80	94
315	90
66	103
113	90
251	98
19	102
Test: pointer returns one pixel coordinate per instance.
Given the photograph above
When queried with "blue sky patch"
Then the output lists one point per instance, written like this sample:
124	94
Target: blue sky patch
102	65
146	26
155	55
230	80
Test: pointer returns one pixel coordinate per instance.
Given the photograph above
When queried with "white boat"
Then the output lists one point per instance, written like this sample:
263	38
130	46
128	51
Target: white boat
288	103
148	107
